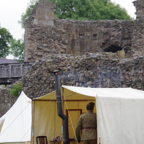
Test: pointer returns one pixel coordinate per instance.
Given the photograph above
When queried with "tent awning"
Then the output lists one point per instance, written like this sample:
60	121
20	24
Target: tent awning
78	93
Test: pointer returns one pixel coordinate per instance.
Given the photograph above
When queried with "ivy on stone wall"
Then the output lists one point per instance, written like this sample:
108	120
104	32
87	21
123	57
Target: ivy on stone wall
16	89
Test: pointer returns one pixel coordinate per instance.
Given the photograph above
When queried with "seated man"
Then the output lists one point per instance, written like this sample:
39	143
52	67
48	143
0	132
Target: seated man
87	124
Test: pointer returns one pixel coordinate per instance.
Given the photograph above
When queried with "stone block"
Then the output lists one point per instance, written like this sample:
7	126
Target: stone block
35	21
39	53
82	30
50	23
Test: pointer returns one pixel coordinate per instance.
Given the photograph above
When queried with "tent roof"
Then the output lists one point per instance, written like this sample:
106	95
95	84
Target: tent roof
79	93
108	92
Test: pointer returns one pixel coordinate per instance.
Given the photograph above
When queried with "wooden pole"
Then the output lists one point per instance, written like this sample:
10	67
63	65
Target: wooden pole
62	111
32	132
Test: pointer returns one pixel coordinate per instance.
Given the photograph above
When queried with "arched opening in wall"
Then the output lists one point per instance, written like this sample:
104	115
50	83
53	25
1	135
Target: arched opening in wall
113	48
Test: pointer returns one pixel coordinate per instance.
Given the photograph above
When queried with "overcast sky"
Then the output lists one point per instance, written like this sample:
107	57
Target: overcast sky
11	10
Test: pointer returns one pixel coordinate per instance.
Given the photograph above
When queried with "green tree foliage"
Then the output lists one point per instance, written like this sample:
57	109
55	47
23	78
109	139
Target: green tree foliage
89	10
17	49
16	89
83	10
5	38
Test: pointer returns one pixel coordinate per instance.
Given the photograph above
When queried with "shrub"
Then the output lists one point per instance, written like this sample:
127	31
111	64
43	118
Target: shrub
16	89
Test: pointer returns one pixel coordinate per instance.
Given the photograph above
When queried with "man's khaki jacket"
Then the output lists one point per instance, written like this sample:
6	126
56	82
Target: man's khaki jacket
87	125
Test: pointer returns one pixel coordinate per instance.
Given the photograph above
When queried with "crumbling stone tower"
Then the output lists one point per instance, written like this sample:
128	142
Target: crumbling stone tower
139	4
42	15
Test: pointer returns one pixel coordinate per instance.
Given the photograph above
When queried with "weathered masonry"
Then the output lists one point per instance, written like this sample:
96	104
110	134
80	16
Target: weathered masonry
46	35
10	73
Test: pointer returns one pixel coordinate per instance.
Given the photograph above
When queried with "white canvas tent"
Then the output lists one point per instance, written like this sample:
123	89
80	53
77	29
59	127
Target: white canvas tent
15	125
119	111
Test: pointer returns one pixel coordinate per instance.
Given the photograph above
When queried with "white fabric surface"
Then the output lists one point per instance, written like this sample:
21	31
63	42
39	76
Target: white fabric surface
126	93
120	121
17	121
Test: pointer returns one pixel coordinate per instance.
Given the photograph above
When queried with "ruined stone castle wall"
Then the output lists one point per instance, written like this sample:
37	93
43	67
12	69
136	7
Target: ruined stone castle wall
79	37
45	35
97	36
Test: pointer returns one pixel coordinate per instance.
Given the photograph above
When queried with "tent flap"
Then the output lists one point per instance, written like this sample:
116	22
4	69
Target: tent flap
120	121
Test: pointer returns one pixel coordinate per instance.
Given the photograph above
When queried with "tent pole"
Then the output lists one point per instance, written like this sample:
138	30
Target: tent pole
62	111
32	132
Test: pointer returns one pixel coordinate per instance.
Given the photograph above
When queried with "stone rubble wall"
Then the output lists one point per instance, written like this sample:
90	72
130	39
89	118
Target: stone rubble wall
91	70
137	48
6	101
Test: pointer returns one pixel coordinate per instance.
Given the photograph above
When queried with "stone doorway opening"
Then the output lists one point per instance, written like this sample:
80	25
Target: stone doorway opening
112	48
